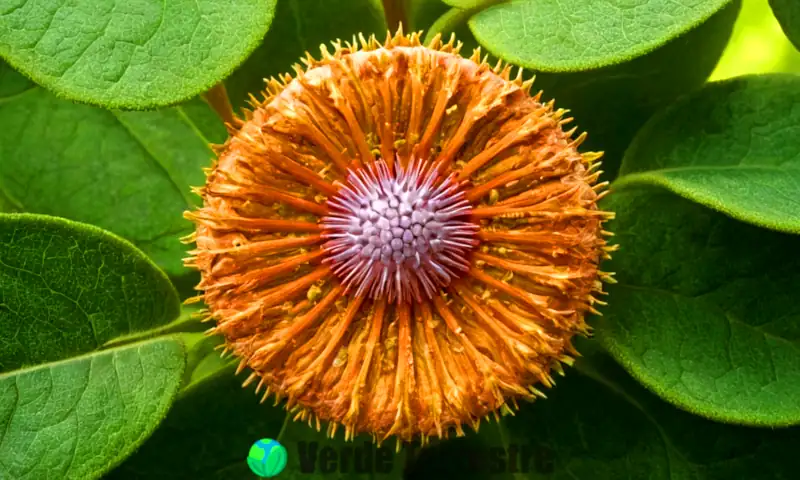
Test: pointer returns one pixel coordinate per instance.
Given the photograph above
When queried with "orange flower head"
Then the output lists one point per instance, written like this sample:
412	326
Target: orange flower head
399	240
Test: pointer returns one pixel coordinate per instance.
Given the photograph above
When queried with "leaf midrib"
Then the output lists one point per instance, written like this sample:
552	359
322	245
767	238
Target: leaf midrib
630	177
774	218
83	356
186	195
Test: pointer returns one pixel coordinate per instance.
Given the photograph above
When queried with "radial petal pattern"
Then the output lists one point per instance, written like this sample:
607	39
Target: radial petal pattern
318	178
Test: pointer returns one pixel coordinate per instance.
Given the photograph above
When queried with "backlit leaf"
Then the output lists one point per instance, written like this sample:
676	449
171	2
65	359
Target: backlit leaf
788	14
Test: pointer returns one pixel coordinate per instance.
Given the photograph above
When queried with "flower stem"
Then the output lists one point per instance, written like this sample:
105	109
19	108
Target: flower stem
395	13
217	98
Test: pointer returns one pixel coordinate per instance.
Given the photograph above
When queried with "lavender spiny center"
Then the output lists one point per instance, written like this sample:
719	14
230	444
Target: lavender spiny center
400	235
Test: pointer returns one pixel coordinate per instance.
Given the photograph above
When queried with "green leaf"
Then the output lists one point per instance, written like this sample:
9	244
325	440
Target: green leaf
214	424
68	408
68	288
422	13
127	172
302	26
453	21
705	312
203	358
788	14
78	418
435	18
471	4
573	35
137	54
12	84
601	425
613	102
733	146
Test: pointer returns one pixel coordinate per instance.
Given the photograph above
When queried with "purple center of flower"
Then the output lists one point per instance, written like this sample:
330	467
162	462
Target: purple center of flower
401	236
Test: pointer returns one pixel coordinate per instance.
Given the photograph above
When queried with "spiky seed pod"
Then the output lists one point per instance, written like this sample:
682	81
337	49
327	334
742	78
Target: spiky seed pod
399	240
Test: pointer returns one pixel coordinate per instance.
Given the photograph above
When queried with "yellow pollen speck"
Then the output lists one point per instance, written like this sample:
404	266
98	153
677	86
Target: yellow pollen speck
314	292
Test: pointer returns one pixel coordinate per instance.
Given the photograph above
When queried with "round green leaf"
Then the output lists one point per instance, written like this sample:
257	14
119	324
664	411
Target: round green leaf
68	408
612	103
573	35
733	146
221	419
68	288
136	54
127	172
78	418
788	14
299	27
705	312
603	426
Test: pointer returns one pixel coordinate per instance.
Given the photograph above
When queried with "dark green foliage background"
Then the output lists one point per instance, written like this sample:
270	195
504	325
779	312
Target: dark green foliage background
694	368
